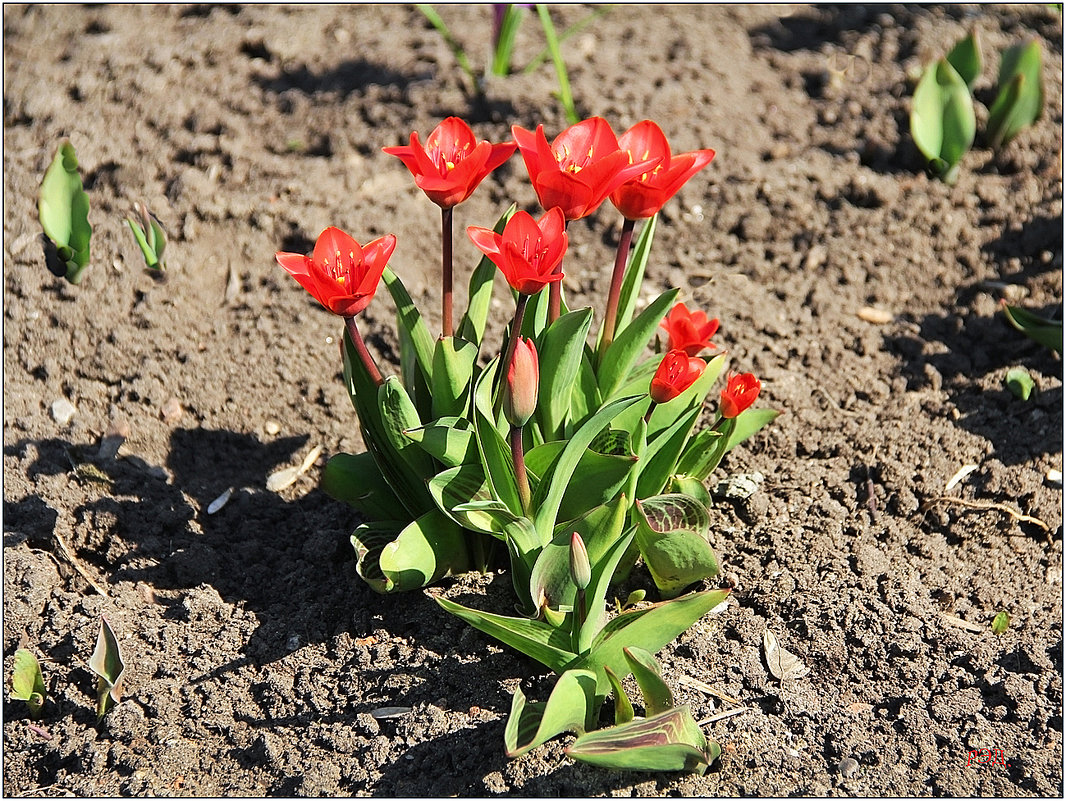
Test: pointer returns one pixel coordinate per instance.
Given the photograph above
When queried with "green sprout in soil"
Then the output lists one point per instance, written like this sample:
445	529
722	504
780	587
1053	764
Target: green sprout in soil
63	207
108	665
27	683
150	237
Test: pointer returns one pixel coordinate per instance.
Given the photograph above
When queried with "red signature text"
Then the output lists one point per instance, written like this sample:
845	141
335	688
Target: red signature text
986	756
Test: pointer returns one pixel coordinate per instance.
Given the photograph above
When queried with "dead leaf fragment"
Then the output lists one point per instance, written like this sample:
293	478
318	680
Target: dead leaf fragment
387	712
220	501
285	478
964	471
871	314
783	665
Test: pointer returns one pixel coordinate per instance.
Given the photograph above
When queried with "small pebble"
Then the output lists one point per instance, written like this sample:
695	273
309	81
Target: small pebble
272	427
171	411
1054	477
62	411
848	767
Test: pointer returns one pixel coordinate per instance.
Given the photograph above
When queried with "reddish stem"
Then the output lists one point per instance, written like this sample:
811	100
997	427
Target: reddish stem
446	271
610	319
555	292
364	354
519	460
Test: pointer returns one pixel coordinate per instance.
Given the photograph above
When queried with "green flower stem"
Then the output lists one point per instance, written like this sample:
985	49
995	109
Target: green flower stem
519	460
364	354
446	271
610	319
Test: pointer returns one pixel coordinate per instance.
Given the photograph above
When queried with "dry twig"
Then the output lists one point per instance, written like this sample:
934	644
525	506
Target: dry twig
987	505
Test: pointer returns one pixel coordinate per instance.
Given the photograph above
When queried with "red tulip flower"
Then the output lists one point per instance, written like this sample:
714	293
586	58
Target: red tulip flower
643	195
677	372
528	252
452	164
740	393
578	170
341	275
689	331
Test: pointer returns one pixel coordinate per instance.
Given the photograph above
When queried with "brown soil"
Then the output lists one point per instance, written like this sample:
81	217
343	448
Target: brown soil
256	655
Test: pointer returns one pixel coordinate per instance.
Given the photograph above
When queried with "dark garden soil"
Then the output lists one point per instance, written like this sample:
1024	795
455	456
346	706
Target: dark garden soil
256	656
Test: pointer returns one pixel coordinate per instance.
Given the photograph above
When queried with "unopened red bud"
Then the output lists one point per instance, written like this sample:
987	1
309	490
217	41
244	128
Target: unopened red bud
522	384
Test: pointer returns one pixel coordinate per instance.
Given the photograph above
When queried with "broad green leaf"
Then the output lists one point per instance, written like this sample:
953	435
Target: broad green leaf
585	397
749	422
535	321
534	638
363	391
965	57
1047	332
634	277
599	529
463	486
398	414
27	683
63	208
650	628
356	480
670	741
696	460
411	324
659	460
106	662
1020	98
369	540
472	325
453	370
449	440
693	487
560	350
622	354
695	396
672	537
572	706
1000	623
943	122
425	551
623	707
553	484
604	571
598	478
649	677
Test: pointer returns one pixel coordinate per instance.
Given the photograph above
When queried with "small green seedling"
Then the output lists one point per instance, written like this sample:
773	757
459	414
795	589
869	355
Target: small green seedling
1020	383
27	683
150	236
1020	98
107	664
64	213
943	122
1000	623
1040	329
965	57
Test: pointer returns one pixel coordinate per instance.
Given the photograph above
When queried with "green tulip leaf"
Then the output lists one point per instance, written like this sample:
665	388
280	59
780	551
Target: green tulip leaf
534	638
585	397
943	123
495	452
649	677
649	628
151	238
693	487
604	572
748	423
572	706
965	57
672	533
369	540
63	208
27	682
411	327
622	354
1020	97
108	665
356	480
559	351
659	460
701	455
597	478
449	440
1039	329
669	741
453	371
426	550
549	494
623	707
1000	623
472	325
398	414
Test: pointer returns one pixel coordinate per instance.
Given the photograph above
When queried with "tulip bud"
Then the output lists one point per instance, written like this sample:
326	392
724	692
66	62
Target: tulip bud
580	569
740	393
523	381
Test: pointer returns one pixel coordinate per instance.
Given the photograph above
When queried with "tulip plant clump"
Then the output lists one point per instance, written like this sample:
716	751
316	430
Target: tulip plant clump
570	455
